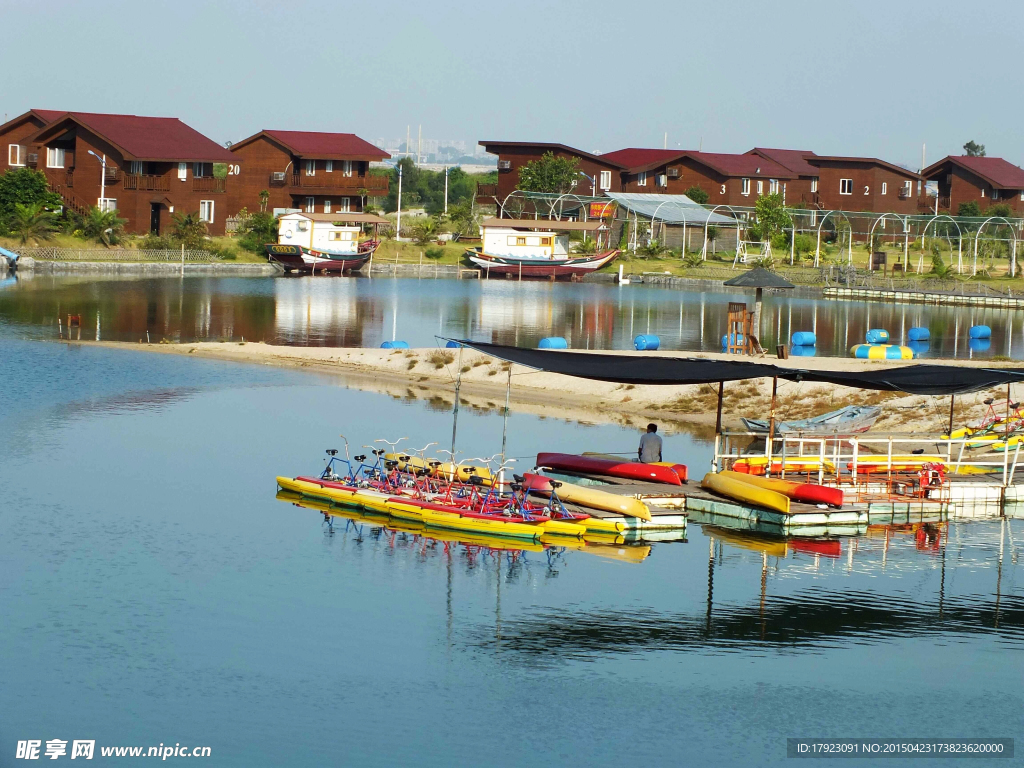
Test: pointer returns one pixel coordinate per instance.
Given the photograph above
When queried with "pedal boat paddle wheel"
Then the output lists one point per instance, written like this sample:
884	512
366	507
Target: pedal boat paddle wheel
539	248
324	242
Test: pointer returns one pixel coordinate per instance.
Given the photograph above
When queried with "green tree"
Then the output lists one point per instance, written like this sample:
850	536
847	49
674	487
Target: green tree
1000	209
189	230
32	222
772	218
426	231
255	230
969	208
24	186
103	226
973	149
550	174
697	194
463	217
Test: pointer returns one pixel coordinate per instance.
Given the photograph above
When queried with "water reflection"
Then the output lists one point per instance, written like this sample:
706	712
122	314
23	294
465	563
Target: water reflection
361	312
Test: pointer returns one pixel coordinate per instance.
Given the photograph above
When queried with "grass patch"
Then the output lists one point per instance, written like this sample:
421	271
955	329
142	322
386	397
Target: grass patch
439	358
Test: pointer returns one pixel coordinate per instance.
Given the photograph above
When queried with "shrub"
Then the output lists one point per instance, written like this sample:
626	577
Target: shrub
434	253
104	226
189	230
692	260
255	230
940	268
153	242
440	358
969	208
697	194
805	244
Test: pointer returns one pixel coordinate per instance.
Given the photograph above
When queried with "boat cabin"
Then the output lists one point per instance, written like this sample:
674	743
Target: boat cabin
330	233
533	238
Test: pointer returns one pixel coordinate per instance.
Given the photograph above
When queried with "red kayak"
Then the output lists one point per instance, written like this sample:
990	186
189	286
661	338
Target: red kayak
630	470
812	493
826	548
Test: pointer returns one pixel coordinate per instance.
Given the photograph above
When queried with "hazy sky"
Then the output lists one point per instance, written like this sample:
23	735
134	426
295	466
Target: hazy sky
858	78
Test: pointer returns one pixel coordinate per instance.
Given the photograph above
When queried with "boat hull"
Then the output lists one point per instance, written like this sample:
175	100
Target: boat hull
808	493
588	497
501	265
629	470
745	493
294	258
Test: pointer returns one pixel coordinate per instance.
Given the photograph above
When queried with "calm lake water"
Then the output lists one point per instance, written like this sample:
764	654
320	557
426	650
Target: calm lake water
361	312
154	591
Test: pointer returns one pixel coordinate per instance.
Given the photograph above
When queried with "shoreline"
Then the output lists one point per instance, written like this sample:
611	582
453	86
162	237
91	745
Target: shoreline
429	374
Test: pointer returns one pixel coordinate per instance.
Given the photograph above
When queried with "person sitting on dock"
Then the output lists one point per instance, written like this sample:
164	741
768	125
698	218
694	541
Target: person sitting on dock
650	445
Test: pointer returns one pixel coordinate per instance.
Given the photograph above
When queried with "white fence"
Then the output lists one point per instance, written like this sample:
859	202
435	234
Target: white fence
115	254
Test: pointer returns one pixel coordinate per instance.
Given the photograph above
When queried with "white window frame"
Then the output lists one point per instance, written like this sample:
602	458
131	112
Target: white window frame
760	187
982	191
814	185
744	187
329	166
846	184
17	153
773	186
52	153
662	180
346	168
135	167
206	216
345	206
107	204
327	206
995	194
606	180
197	170
641	179
1022	194
909	186
310	205
182	171
885	187
311	167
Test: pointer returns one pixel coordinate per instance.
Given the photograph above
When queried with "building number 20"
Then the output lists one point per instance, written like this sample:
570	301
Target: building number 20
234	170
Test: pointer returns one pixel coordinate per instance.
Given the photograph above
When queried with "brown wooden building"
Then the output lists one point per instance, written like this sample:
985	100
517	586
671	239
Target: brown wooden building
985	180
603	172
308	171
154	166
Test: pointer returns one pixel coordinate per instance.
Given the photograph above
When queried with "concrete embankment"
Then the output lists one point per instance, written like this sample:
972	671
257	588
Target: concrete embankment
144	268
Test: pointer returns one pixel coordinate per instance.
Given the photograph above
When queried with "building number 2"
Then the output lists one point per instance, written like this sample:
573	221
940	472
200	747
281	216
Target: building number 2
234	170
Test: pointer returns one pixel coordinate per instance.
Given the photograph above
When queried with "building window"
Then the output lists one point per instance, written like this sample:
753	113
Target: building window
54	157
885	187
14	155
606	180
346	204
662	180
135	167
760	187
846	186
327	206
773	186
346	167
641	179
182	171
908	188
329	166
744	186
310	203
995	194
108	204
197	170
311	167
814	185
983	192
206	211
1022	194
545	241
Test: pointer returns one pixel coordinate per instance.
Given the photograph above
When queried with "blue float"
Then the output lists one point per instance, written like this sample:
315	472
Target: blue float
918	333
452	345
882	352
395	345
979	345
980	332
799	350
877	336
737	339
919	348
552	342
646	341
803	339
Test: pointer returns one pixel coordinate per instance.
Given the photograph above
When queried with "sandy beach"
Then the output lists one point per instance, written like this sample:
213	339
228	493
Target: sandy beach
429	375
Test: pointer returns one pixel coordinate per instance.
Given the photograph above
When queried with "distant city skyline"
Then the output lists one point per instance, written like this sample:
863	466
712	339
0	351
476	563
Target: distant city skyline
873	79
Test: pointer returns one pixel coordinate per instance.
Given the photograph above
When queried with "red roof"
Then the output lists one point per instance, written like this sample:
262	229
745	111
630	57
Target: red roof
794	160
637	156
997	172
49	115
145	138
742	165
316	144
553	146
847	161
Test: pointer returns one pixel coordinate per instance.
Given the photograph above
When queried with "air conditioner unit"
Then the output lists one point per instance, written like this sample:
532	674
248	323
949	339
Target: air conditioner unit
673	173
277	176
504	165
33	158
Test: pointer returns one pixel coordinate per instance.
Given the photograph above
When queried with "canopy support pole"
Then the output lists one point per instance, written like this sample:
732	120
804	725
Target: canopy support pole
455	412
504	424
952	399
718	428
771	423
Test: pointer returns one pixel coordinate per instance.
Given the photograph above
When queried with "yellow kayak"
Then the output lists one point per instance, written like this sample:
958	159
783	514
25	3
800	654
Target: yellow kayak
587	496
596	525
756	465
748	540
630	554
745	492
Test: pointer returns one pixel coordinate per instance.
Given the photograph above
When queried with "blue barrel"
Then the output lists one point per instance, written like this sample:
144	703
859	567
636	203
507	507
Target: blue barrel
920	348
877	336
553	342
395	345
918	333
646	341
980	332
979	345
799	350
737	339
803	339
452	345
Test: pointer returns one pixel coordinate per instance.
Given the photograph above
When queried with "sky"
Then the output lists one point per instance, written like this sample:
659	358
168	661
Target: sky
843	78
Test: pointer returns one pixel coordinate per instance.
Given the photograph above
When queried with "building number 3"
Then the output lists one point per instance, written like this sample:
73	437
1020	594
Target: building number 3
234	170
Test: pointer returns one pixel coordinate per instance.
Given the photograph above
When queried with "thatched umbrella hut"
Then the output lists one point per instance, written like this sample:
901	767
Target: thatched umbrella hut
759	279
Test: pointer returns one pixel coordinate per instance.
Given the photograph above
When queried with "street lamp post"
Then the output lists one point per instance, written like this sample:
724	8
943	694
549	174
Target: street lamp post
103	179
593	183
398	225
446	190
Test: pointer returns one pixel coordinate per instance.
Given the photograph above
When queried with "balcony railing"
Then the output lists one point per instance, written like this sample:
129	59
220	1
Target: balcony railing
376	186
147	183
207	184
60	177
486	190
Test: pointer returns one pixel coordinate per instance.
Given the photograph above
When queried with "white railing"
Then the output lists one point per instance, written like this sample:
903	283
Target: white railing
114	254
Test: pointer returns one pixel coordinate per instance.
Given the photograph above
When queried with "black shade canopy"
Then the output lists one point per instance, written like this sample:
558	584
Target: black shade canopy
758	278
637	369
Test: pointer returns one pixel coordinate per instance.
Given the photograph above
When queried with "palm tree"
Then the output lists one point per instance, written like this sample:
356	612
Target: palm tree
33	222
105	226
189	229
